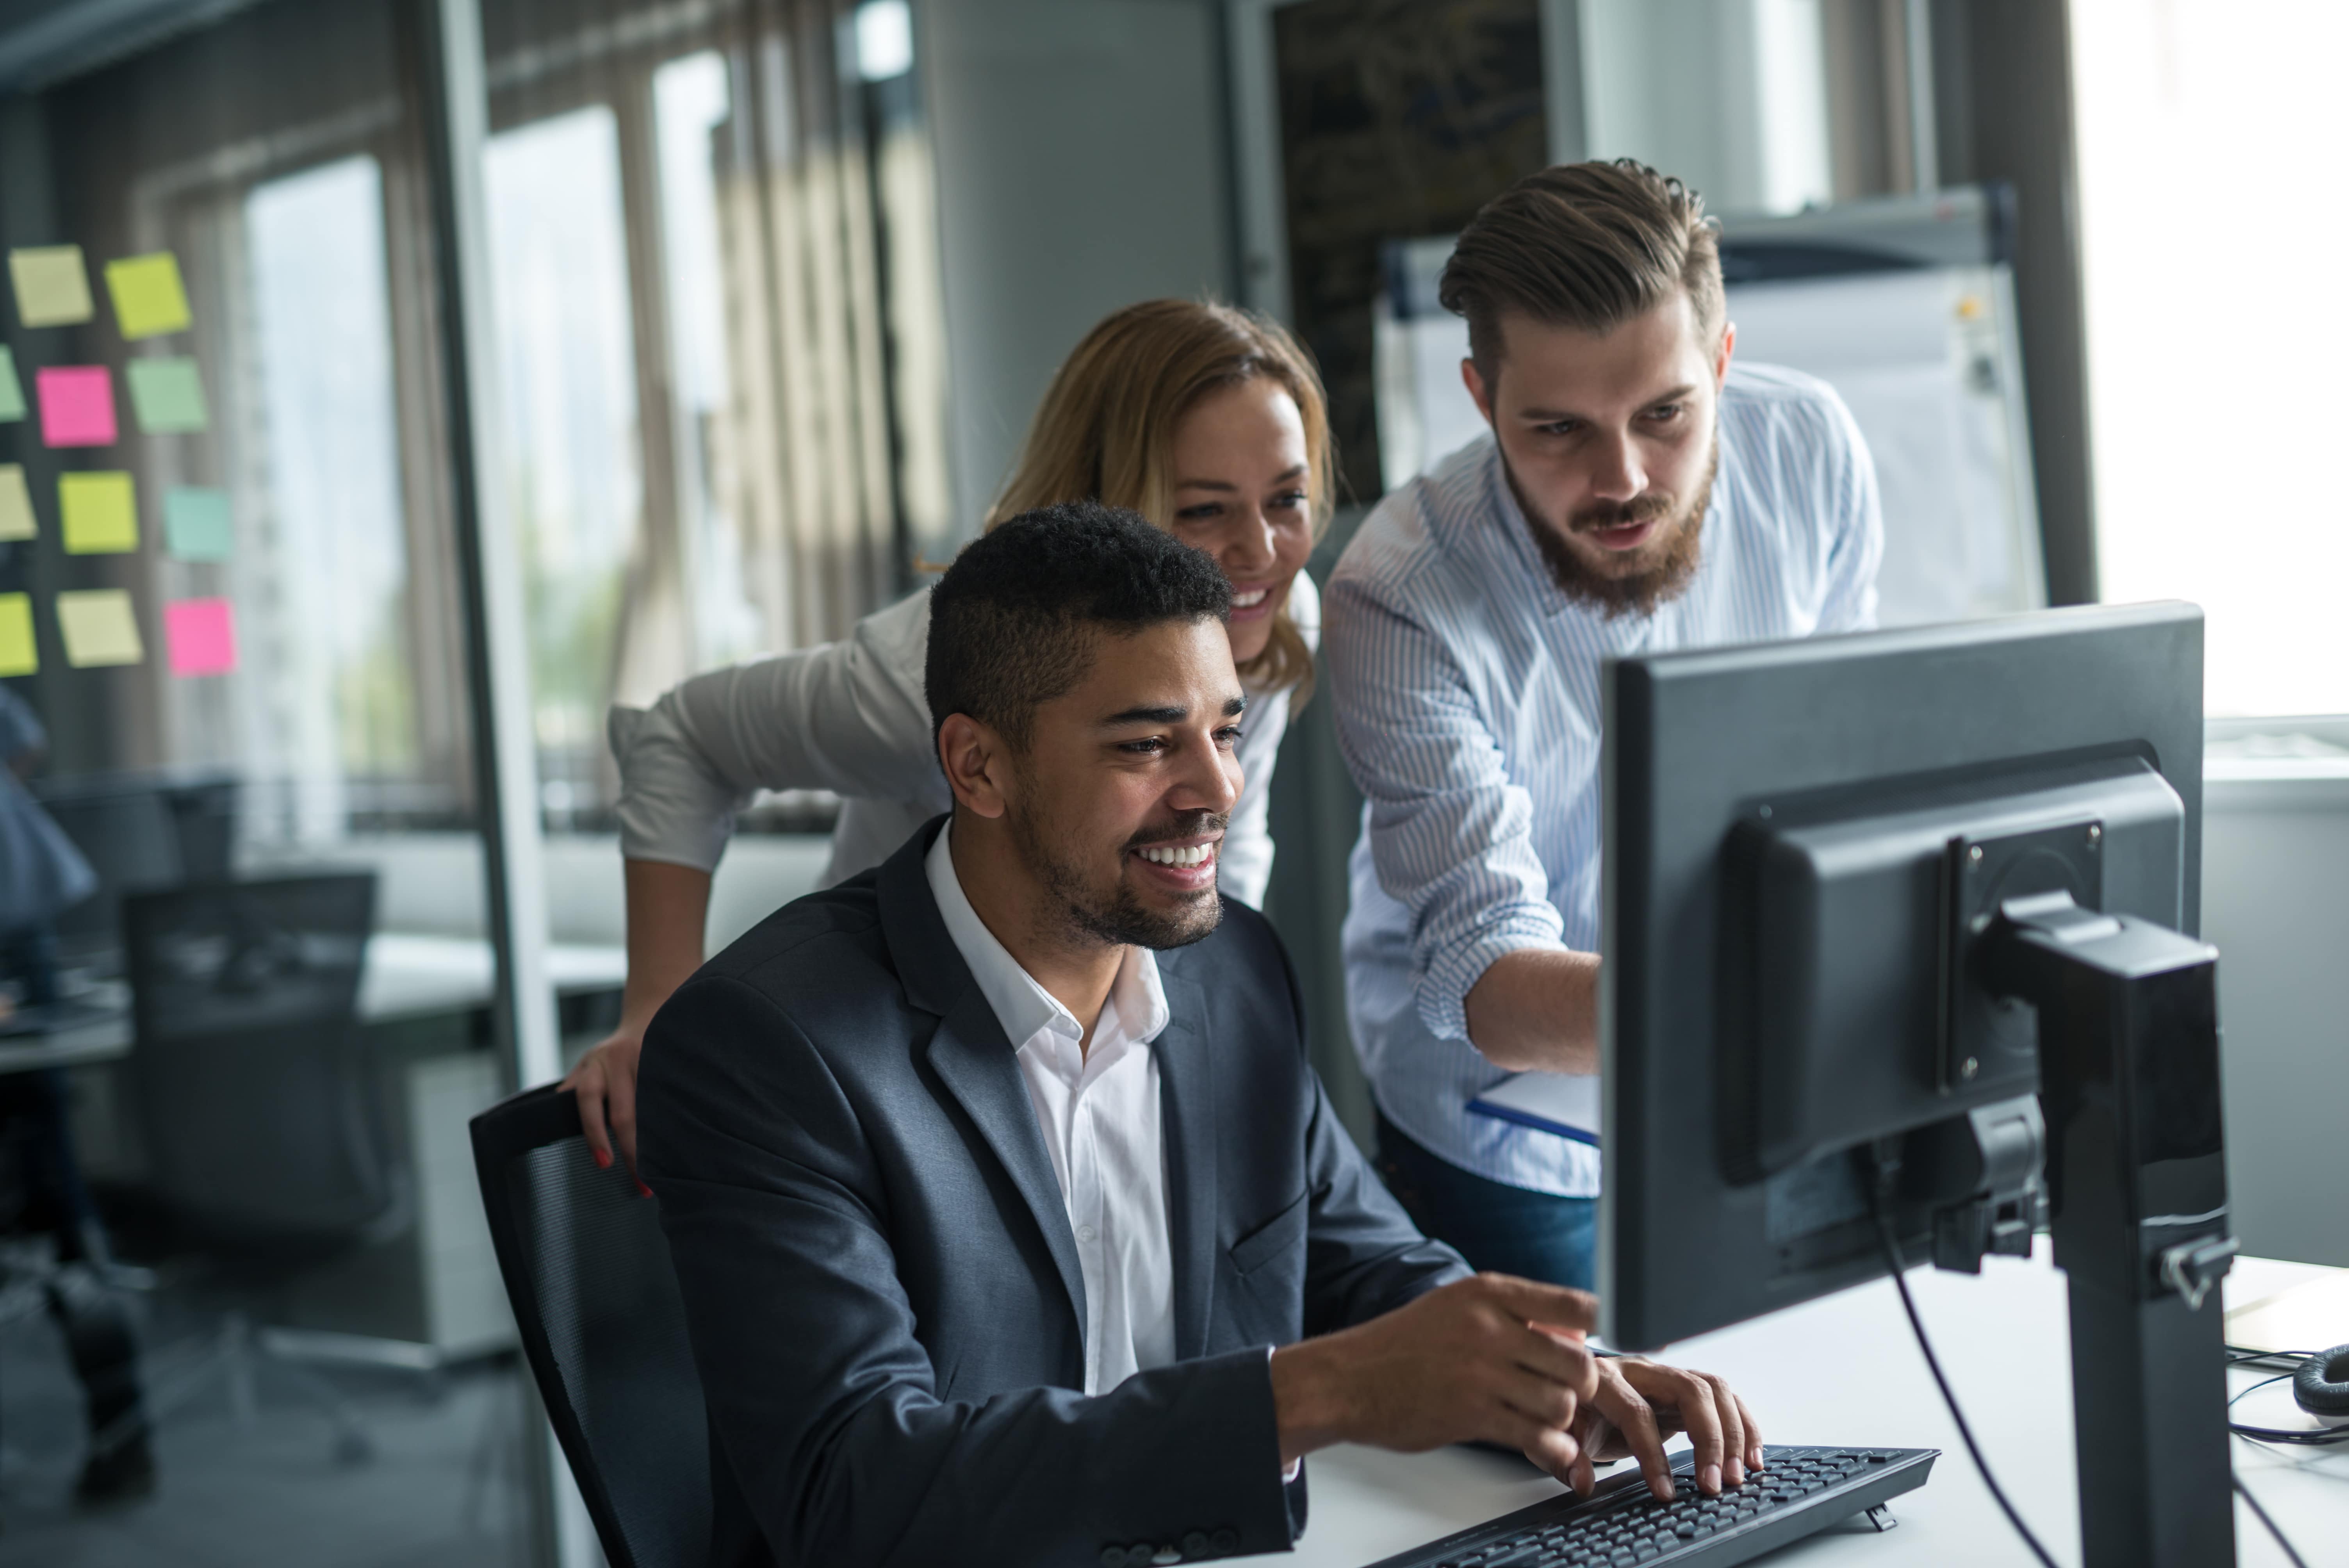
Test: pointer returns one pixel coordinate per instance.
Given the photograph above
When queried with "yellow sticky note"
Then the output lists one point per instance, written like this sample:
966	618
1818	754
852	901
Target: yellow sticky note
98	628
52	286
148	298
19	656
16	504
101	512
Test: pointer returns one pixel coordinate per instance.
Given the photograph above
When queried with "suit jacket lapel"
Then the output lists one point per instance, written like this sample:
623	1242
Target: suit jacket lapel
976	1063
1186	1087
969	1052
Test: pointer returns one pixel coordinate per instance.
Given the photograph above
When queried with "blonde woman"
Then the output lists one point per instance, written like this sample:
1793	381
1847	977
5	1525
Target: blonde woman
1207	420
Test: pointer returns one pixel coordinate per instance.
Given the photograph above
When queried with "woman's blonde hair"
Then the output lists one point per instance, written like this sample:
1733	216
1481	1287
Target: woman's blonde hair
1107	422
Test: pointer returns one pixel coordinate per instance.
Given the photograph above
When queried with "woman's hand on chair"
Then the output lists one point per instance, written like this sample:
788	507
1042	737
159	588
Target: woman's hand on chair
605	1082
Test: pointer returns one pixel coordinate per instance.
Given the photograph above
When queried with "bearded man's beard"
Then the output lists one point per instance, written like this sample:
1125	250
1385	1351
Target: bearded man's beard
1638	593
1121	920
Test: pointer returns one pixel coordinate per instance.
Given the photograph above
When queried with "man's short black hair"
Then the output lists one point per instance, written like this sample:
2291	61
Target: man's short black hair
1012	622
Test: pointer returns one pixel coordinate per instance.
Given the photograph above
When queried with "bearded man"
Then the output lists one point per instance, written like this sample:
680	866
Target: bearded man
1636	494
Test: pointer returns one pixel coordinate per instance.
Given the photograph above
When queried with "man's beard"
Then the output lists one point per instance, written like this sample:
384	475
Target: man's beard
1121	920
1639	592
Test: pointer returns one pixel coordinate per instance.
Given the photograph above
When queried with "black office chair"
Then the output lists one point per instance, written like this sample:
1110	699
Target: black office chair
602	1323
259	1103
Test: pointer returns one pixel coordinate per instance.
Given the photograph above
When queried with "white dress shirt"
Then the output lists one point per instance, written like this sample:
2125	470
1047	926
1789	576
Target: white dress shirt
851	716
1099	1111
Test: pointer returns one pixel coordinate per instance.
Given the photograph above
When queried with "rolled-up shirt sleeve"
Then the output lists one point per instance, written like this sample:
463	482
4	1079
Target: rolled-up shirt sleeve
1450	833
848	717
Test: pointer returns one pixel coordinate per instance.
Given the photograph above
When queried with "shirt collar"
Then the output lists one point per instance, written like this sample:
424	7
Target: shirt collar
1022	1006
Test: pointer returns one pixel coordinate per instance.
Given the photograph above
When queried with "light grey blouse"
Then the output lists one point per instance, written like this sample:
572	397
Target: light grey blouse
850	717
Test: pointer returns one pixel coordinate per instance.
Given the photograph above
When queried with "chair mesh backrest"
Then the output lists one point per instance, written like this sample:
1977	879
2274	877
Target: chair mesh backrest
596	1279
258	1102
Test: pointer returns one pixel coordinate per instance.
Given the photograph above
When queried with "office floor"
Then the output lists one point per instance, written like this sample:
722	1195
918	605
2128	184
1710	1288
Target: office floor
443	1488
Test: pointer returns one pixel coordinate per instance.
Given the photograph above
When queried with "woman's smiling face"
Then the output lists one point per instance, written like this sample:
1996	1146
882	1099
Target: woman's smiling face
1242	490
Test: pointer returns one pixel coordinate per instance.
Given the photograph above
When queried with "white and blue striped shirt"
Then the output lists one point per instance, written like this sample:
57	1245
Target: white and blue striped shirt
1467	696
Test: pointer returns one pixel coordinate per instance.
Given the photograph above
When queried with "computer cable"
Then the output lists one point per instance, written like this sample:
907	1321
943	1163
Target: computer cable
1888	1171
2245	1493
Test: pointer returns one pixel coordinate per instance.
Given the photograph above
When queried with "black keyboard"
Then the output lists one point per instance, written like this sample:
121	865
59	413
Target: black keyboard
1799	1492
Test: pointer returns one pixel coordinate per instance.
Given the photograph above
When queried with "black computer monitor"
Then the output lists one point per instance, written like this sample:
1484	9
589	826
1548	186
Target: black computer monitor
1900	925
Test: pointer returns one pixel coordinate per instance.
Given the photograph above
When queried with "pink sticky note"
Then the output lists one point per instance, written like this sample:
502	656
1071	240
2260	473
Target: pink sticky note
201	633
76	405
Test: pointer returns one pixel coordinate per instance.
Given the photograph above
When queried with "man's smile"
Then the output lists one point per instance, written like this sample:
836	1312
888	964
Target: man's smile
1180	865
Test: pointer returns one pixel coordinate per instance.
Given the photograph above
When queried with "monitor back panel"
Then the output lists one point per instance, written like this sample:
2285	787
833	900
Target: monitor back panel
1975	715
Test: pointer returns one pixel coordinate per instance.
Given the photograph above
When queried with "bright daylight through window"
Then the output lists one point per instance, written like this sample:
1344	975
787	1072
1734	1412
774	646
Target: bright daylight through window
2209	234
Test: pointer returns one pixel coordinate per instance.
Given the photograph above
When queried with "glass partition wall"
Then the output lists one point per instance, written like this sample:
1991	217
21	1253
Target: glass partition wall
232	616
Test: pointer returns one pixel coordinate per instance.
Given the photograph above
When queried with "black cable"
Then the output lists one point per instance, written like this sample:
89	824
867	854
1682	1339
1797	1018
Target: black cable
1885	1170
2245	1493
2298	1436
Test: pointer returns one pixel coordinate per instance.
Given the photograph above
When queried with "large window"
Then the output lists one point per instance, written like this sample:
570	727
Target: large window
326	580
720	339
2209	234
567	363
721	384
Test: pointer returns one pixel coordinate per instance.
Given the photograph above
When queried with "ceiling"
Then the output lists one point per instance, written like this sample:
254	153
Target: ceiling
46	41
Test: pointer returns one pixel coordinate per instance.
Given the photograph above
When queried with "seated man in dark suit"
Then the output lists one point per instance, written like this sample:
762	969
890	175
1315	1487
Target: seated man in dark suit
1013	1225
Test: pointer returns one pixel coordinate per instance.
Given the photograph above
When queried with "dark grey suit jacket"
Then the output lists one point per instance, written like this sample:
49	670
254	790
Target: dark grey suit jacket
878	1272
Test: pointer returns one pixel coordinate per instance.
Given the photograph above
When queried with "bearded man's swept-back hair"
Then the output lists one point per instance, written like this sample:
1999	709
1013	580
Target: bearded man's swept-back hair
1586	245
1014	620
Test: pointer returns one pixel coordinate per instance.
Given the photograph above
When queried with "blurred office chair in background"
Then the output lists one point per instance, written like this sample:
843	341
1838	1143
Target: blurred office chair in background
597	1301
258	1102
138	832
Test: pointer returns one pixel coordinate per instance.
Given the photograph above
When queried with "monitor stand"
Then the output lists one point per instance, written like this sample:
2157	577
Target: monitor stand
2129	1053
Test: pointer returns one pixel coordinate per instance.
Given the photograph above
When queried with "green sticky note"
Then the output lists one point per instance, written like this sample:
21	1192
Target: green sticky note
16	504
19	655
101	512
148	298
100	628
197	525
12	391
52	286
168	395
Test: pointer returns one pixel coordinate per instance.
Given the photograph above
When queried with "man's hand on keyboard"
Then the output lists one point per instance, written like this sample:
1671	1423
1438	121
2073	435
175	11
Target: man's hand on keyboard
1490	1359
1639	1404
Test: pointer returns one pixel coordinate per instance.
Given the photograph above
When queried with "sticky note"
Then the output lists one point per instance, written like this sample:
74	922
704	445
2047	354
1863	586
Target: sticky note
200	635
148	298
98	628
16	504
77	405
52	287
19	655
197	525
167	395
101	512
12	391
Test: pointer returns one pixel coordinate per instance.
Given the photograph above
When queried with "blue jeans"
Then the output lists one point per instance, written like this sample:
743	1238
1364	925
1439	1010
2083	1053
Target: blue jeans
1505	1229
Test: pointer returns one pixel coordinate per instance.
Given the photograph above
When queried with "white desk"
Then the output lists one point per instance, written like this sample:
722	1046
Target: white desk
1846	1370
407	976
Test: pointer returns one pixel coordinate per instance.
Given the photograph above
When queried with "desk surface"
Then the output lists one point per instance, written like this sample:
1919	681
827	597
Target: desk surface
1846	1370
407	977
